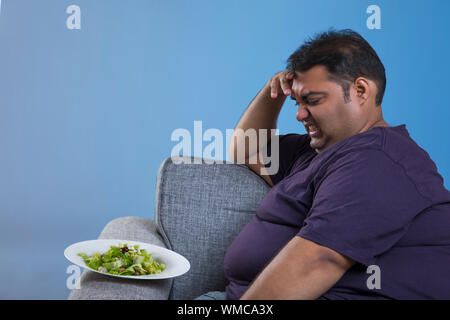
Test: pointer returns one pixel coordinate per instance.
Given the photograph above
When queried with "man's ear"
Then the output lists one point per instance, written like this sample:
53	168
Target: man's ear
362	90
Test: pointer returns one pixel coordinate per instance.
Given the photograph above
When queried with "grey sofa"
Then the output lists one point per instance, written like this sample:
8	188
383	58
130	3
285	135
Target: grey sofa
200	209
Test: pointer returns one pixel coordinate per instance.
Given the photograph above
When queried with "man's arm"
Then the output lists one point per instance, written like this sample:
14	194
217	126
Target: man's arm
302	270
262	113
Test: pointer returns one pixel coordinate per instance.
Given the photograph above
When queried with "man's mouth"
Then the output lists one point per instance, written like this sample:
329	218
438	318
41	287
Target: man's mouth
312	130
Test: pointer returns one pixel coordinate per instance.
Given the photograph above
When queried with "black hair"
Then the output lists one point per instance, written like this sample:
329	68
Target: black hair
346	55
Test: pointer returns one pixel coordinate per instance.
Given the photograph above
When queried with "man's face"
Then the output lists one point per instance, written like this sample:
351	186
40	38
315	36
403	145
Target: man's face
321	103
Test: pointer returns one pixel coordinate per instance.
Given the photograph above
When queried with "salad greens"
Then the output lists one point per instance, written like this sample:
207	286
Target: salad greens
124	260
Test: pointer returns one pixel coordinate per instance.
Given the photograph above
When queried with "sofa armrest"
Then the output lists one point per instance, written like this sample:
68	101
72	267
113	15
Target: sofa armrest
95	286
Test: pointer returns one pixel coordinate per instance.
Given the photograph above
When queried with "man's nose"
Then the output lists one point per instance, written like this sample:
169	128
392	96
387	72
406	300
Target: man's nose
302	113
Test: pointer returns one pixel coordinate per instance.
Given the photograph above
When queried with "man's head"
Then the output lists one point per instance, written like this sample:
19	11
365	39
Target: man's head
349	81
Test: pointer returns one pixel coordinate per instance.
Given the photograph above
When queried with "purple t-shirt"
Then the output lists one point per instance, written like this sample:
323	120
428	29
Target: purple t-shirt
375	197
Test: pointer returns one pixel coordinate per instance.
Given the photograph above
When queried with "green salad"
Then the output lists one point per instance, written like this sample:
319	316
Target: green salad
124	260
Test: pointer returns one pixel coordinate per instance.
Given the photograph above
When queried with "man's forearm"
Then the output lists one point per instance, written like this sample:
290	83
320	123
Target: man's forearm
301	271
310	285
262	113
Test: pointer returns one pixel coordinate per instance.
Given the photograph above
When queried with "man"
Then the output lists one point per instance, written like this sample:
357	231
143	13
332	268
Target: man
352	193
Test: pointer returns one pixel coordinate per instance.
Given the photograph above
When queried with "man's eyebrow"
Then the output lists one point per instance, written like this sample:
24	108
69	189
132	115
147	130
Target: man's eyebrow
305	95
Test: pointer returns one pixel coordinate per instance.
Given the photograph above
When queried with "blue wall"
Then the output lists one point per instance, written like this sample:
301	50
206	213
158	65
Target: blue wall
86	115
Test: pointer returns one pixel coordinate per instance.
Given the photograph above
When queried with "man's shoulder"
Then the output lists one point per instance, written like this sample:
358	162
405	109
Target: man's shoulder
392	142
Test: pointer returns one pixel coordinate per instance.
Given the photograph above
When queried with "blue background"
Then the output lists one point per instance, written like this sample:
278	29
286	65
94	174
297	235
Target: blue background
86	115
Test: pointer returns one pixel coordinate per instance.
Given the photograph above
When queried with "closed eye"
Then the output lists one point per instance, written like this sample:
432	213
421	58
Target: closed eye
313	102
311	98
310	102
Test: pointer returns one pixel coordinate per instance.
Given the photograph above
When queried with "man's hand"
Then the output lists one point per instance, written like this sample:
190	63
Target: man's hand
302	270
281	83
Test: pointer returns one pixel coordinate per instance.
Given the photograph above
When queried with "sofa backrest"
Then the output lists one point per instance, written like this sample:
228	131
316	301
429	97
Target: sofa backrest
200	209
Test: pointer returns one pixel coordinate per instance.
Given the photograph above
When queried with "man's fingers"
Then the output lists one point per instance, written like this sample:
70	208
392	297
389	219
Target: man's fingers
289	76
285	85
281	81
273	88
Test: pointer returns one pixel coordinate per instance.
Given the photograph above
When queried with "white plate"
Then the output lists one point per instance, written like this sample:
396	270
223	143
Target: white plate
176	264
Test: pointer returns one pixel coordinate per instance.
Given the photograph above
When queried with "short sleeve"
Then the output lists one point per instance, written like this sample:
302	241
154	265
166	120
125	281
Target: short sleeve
290	146
363	204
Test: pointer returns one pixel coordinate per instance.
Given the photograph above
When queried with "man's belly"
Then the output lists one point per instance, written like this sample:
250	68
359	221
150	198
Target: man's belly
254	247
